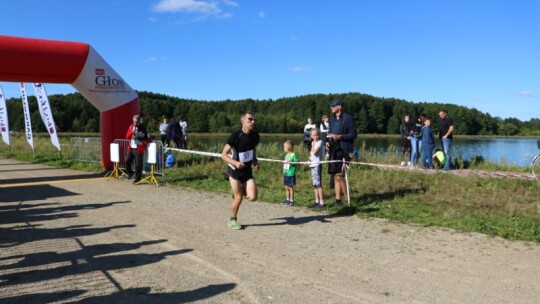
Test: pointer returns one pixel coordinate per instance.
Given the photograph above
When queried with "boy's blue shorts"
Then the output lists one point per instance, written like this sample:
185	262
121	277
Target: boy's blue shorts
289	181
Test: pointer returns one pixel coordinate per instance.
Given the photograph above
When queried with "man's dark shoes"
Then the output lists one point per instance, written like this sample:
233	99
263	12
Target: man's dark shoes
336	203
135	181
316	206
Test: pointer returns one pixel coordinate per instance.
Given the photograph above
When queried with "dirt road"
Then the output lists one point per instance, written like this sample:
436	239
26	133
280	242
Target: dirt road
82	239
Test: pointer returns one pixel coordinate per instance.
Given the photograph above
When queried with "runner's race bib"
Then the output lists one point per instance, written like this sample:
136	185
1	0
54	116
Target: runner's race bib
245	157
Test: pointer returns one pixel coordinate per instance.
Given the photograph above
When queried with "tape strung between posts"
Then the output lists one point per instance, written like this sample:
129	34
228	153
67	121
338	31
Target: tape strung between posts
384	166
258	158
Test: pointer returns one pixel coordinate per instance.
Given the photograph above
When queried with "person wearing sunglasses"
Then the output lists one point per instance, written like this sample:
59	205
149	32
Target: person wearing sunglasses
240	154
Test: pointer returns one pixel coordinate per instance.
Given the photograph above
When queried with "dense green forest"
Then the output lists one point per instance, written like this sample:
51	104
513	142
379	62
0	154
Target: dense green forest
72	113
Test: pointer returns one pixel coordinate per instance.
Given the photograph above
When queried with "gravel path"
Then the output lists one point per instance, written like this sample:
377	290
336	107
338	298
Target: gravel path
82	239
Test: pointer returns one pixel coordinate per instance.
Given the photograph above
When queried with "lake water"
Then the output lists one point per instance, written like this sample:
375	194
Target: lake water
510	151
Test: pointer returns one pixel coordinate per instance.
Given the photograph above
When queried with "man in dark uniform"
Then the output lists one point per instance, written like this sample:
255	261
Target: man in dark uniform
340	143
174	132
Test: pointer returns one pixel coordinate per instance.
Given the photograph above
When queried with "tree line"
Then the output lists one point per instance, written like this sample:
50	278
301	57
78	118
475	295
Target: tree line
373	115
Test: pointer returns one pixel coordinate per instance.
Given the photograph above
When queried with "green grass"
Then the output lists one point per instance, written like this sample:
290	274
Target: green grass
509	208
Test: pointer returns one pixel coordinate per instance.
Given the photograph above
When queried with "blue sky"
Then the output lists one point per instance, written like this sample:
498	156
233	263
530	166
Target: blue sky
475	53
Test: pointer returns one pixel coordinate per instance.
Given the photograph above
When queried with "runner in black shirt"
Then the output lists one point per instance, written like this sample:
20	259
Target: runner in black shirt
242	144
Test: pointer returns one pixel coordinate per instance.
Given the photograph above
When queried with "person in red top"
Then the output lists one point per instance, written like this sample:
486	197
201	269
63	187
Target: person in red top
138	138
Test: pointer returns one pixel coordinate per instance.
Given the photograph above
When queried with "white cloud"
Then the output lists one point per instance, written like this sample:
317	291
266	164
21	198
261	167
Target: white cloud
302	69
230	3
225	16
203	8
262	14
190	6
527	94
154	59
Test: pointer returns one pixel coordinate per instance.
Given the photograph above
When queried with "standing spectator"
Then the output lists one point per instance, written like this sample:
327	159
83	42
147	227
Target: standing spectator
446	129
405	131
438	158
324	127
184	127
289	172
341	143
315	165
138	137
243	144
163	132
307	128
175	133
416	139
428	145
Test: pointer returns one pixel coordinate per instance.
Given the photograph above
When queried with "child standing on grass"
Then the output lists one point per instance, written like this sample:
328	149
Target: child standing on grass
439	158
289	172
428	145
316	167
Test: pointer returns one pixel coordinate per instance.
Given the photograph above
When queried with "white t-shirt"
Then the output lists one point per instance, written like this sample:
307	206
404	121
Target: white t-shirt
315	158
309	127
163	128
183	125
325	126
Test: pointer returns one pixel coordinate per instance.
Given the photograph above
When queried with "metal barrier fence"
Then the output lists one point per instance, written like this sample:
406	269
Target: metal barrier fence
86	149
159	167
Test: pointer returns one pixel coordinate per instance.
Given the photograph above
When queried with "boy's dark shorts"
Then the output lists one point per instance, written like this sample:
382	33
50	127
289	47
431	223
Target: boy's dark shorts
289	181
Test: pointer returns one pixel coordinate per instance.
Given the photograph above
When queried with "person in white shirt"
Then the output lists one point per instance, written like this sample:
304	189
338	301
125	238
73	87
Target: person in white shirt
307	128
324	128
163	132
183	125
316	168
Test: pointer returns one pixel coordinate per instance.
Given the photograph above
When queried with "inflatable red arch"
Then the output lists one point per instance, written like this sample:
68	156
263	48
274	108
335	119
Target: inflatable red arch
78	64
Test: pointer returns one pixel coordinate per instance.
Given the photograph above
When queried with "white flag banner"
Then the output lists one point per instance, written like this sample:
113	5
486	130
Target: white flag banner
26	112
4	125
46	114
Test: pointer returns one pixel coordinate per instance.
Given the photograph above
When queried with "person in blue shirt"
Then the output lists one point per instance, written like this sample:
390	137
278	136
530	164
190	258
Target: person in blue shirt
428	145
169	161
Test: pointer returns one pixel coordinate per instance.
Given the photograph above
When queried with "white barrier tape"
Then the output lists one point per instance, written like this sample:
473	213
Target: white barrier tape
384	166
455	172
258	158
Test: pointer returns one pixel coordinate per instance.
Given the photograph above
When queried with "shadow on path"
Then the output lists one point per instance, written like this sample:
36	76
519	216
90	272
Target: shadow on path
10	237
48	297
291	220
28	214
32	193
49	178
358	204
143	295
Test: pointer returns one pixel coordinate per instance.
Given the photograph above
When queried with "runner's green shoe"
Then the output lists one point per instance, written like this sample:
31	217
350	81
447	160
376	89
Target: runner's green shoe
234	224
